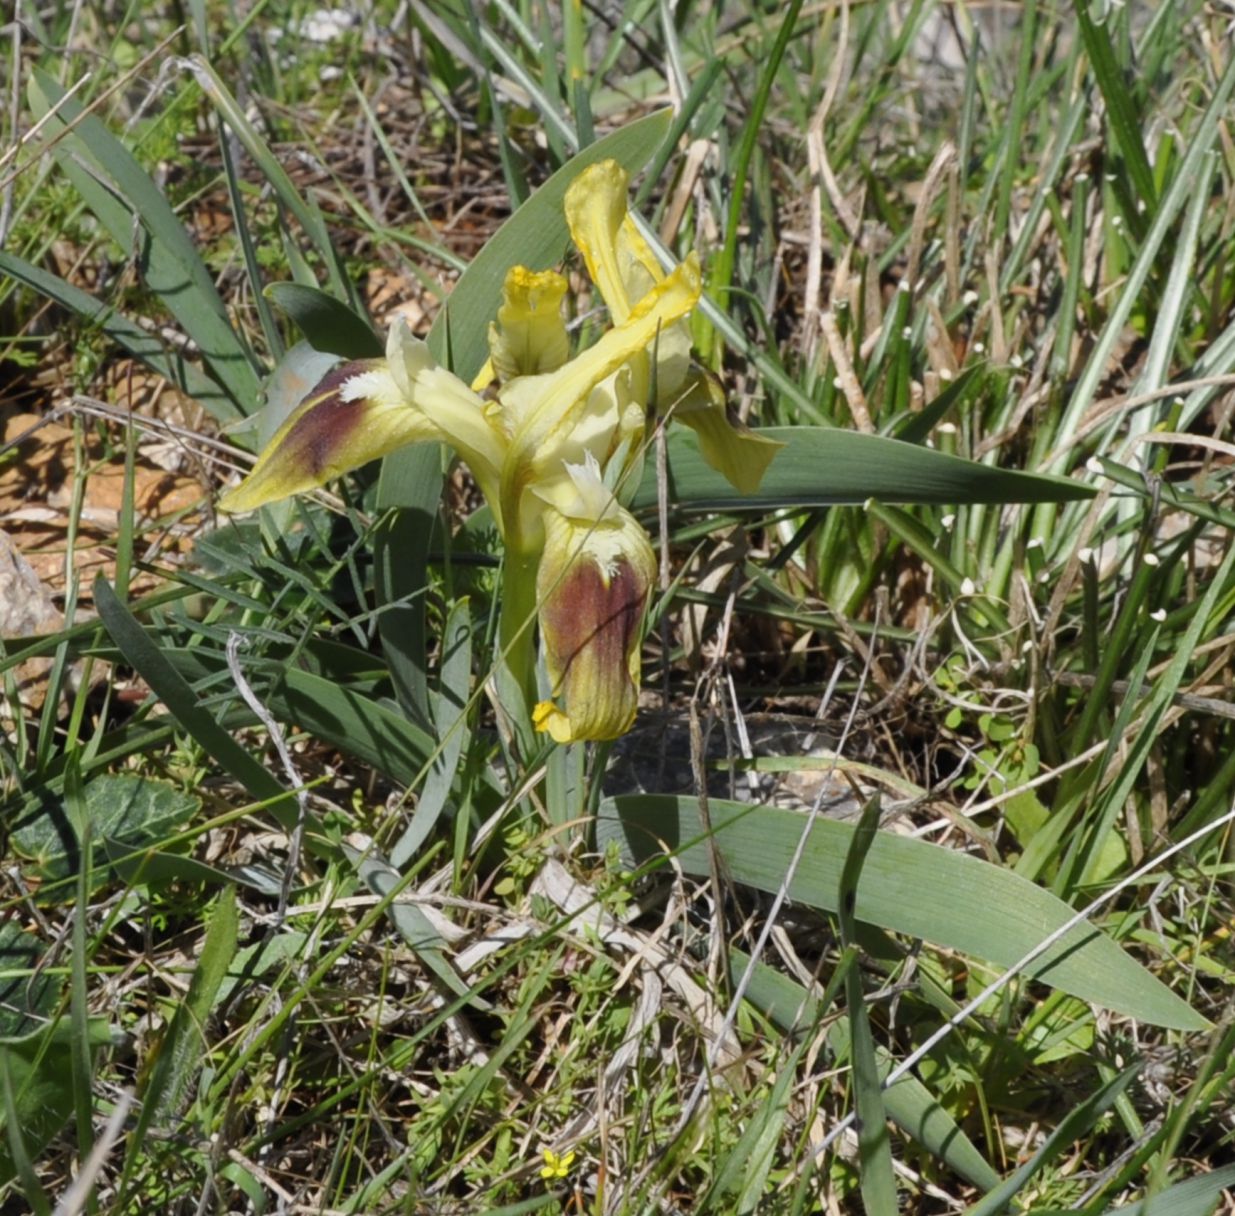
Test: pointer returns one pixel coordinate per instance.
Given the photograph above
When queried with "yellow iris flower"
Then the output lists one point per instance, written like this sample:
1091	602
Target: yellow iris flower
553	451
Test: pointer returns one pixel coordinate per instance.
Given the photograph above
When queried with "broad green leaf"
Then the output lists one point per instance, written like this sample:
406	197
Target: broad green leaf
28	992
907	886
822	466
127	813
40	1074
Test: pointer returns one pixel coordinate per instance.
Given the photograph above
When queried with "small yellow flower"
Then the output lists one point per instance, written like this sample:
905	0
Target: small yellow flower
555	1166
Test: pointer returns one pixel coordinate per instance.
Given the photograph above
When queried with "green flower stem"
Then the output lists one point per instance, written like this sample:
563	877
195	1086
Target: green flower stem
517	633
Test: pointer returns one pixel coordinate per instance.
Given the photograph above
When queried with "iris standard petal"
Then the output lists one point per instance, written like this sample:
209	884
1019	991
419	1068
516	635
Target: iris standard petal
548	407
355	414
529	336
595	208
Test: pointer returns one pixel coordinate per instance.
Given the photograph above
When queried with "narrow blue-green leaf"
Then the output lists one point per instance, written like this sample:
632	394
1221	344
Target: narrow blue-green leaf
822	466
1195	1197
413	926
988	912
373	733
1202	137
743	1173
328	324
914	428
877	1180
307	214
449	708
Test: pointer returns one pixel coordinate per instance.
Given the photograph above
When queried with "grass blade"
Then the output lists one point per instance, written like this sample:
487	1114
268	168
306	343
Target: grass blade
168	685
182	1050
1126	123
133	209
874	1147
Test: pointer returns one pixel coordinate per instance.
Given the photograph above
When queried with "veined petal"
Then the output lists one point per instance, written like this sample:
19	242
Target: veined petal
592	587
549	407
530	334
738	453
355	414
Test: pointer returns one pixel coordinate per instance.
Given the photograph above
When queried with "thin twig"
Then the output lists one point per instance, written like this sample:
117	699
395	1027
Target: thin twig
234	642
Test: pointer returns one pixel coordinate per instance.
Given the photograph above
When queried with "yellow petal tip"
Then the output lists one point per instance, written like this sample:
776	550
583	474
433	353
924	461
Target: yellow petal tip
548	718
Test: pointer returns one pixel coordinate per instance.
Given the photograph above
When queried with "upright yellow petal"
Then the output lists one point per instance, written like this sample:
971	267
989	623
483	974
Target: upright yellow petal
595	209
547	408
529	336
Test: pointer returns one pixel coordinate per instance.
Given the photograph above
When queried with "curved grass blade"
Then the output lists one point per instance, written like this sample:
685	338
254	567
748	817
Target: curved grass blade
129	336
181	1051
1195	1197
1078	1122
910	1105
138	217
170	687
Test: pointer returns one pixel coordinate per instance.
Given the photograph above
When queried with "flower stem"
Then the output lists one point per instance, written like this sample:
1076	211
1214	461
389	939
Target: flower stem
517	634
